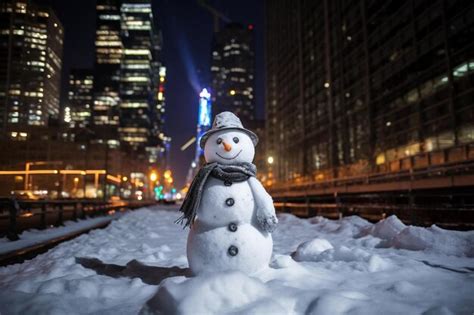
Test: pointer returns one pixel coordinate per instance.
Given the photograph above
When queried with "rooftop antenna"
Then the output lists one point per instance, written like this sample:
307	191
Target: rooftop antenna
218	15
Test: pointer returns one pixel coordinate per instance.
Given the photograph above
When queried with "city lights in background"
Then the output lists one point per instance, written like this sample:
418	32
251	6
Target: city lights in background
153	176
109	133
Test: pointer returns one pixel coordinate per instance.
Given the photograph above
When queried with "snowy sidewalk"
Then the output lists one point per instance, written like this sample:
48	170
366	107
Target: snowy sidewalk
350	266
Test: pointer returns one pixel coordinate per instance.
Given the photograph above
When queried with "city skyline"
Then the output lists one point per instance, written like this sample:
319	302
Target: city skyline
187	36
340	101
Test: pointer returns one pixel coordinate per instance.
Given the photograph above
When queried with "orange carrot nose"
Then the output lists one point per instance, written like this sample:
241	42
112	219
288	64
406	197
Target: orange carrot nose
227	146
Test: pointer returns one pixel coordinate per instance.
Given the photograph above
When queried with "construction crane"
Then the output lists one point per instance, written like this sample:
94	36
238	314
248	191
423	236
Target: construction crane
217	14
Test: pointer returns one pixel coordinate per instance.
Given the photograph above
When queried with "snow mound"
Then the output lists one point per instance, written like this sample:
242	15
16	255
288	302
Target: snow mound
435	239
309	251
388	228
364	261
396	234
320	250
224	292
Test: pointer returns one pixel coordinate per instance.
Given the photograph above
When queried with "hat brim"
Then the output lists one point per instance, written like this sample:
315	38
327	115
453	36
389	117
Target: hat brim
210	132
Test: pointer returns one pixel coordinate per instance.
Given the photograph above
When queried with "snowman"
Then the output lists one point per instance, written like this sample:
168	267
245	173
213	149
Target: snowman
230	213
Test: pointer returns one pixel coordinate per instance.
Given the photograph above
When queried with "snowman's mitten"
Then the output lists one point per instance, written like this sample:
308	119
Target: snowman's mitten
267	221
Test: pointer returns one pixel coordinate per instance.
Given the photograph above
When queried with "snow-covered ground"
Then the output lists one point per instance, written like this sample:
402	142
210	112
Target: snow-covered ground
320	266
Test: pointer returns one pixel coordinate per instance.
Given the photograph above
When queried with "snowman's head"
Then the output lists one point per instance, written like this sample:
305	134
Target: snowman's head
229	146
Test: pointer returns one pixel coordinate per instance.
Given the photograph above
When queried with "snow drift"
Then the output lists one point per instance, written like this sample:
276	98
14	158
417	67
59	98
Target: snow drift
396	234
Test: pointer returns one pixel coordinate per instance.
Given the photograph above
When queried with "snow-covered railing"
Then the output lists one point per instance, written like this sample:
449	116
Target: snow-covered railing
445	208
19	215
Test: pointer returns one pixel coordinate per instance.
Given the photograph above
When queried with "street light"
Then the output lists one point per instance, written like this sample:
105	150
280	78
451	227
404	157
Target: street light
76	182
270	160
153	176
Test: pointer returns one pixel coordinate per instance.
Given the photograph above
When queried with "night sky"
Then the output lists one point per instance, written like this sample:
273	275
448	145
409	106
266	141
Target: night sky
187	30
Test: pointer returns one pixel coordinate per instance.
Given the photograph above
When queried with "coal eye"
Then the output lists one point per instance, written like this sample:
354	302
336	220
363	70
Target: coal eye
236	140
219	140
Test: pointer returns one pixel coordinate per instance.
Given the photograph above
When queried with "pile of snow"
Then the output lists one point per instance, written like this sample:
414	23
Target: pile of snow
310	250
396	234
349	266
213	294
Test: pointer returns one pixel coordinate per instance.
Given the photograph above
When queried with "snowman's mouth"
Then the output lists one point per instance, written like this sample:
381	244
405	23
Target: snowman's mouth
225	158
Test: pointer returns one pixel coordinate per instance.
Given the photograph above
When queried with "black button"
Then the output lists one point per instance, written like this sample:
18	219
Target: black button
233	250
232	227
230	202
227	183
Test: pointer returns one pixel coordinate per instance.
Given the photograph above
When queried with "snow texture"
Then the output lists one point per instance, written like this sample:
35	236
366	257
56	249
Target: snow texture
33	237
349	266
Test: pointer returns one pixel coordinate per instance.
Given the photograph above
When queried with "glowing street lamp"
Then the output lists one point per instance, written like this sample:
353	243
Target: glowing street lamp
270	160
153	176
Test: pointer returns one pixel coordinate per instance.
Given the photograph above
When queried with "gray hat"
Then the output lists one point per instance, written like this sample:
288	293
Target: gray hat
226	121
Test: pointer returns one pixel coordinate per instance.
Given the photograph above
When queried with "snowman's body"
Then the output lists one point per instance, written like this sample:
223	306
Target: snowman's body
222	225
233	220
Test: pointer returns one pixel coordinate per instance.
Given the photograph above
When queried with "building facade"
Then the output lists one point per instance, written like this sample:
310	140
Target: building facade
142	80
31	45
358	84
129	80
80	97
108	57
232	71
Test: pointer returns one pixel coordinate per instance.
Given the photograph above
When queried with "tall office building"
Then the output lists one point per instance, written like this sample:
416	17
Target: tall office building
31	44
77	113
141	81
232	71
353	85
109	51
129	80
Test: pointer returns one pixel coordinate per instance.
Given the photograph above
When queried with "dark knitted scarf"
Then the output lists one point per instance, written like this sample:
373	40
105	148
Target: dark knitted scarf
228	173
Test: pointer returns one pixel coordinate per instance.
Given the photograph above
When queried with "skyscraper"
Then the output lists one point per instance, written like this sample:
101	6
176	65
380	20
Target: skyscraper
129	80
80	98
31	44
109	51
232	71
357	85
142	79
